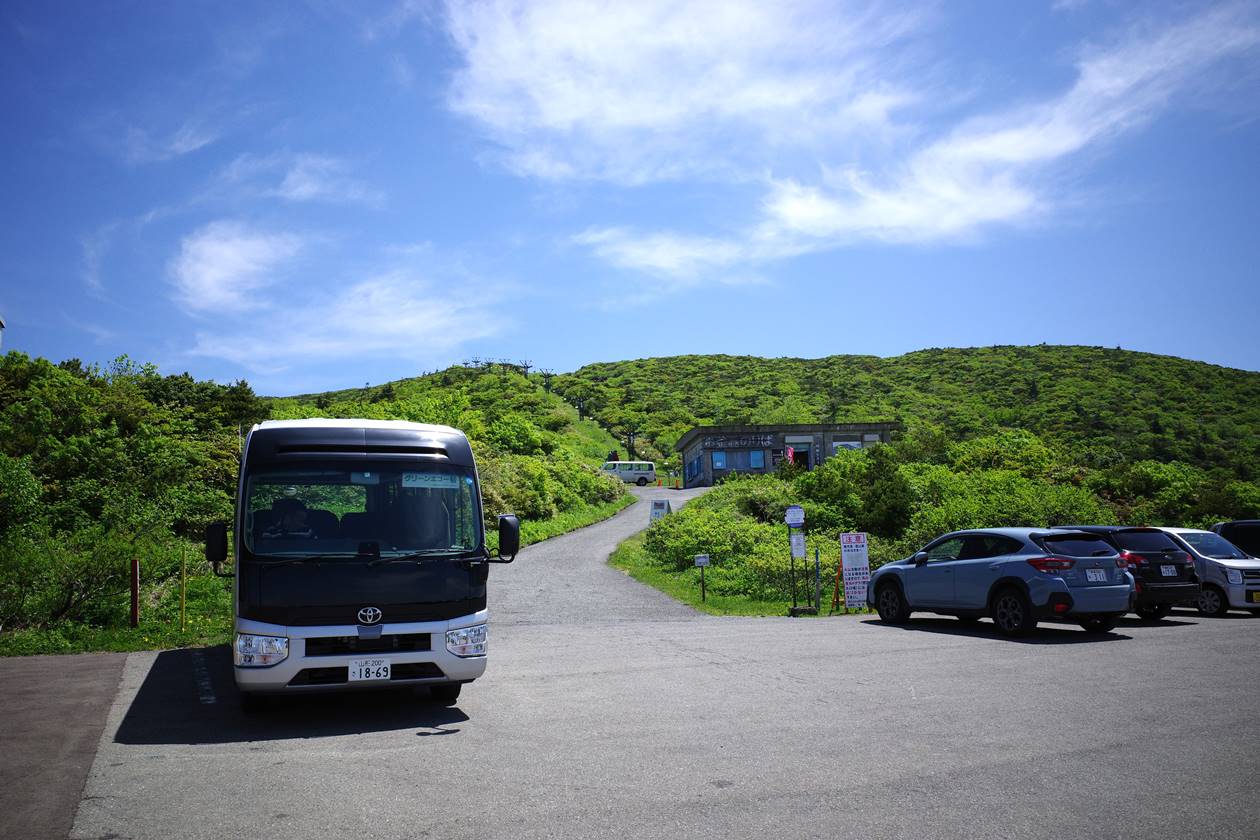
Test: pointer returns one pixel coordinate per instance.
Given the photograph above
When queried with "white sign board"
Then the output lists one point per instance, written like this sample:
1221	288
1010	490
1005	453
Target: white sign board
660	507
432	480
797	539
794	516
702	559
856	562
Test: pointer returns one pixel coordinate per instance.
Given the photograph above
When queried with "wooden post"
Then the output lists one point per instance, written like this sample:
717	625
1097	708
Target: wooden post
135	591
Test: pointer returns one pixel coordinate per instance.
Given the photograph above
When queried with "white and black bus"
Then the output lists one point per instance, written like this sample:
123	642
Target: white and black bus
360	558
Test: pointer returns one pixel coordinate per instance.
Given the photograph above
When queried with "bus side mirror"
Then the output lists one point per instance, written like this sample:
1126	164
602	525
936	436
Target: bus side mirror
216	546
509	537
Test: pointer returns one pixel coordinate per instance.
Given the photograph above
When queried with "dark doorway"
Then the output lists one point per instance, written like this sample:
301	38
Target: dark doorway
800	456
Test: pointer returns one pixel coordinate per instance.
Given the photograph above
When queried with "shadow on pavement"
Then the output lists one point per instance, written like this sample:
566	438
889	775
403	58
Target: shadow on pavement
190	697
1172	621
1045	634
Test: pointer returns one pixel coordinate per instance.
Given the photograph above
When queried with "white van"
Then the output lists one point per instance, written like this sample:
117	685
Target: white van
634	472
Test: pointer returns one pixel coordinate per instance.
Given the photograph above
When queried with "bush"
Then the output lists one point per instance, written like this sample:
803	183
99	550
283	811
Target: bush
19	493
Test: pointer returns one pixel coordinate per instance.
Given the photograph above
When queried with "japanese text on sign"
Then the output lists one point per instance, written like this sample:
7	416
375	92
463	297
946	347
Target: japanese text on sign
856	562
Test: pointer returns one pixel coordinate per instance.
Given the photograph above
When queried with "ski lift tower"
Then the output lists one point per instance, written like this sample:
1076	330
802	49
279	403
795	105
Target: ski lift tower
1	330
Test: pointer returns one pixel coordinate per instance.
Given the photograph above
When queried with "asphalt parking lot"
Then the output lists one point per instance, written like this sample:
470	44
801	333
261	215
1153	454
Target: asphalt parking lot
608	710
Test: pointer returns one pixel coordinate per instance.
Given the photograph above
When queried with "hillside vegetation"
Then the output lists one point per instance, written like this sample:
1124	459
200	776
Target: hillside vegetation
102	464
991	437
1102	406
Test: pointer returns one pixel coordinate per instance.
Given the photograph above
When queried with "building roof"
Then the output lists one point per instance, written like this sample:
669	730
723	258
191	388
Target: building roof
786	428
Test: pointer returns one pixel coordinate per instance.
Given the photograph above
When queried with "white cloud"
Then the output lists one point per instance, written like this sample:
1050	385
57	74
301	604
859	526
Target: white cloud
635	92
222	266
299	177
95	245
398	314
1000	167
680	257
141	146
1005	166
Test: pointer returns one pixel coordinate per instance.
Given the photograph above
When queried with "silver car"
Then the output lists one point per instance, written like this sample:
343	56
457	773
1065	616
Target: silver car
1016	576
1229	577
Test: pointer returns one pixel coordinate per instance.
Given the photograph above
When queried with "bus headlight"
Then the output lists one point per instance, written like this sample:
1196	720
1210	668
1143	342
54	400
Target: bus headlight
467	641
252	651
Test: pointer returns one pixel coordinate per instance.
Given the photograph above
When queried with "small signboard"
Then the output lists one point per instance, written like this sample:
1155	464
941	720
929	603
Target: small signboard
660	507
702	559
794	516
797	540
855	559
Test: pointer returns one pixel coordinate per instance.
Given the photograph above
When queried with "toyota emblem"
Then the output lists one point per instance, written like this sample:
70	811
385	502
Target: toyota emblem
369	615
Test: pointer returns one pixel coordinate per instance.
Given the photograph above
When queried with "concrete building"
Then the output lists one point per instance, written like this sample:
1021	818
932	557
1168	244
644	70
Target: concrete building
711	452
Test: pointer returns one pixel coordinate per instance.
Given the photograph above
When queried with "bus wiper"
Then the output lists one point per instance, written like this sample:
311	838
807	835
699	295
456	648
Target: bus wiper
422	554
308	558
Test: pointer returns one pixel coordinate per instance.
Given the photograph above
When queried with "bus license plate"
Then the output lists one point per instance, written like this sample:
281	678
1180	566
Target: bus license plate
1168	571
369	669
1096	575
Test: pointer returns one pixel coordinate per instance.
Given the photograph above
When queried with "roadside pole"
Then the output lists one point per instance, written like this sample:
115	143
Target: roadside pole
702	560
135	591
817	583
794	518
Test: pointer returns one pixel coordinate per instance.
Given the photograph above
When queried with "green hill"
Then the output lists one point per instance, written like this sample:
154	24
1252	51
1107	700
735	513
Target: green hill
1104	406
991	436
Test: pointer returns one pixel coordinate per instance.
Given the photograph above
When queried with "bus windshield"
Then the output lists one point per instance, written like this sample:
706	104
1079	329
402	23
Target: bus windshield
378	510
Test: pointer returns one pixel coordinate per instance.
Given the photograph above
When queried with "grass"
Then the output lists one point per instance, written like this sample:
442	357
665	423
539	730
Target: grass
209	605
571	520
632	558
208	613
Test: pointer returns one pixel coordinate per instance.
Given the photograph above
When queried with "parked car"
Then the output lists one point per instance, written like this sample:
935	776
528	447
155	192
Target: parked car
1016	576
1244	533
633	472
1228	576
1163	572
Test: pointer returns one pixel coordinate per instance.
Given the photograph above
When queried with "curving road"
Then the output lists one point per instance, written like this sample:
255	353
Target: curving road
610	711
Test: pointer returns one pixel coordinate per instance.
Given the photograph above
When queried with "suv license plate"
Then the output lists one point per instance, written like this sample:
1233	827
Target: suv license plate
369	669
1168	571
1096	575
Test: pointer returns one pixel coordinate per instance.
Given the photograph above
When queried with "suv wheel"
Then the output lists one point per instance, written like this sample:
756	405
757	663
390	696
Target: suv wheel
1212	602
1012	613
891	604
1099	624
1152	612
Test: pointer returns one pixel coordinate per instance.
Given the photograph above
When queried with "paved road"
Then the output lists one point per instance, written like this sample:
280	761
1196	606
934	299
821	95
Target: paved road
52	713
609	711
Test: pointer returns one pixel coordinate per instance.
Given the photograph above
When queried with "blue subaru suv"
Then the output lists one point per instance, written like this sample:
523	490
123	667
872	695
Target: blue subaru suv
1013	575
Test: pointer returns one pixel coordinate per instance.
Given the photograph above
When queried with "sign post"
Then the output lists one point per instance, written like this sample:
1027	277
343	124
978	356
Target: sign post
855	560
660	509
794	518
702	560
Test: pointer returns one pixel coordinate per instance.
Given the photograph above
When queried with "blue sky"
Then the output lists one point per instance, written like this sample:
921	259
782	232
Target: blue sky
318	195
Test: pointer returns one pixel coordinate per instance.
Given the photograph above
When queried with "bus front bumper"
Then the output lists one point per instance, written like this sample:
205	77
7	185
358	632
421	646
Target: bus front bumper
320	658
